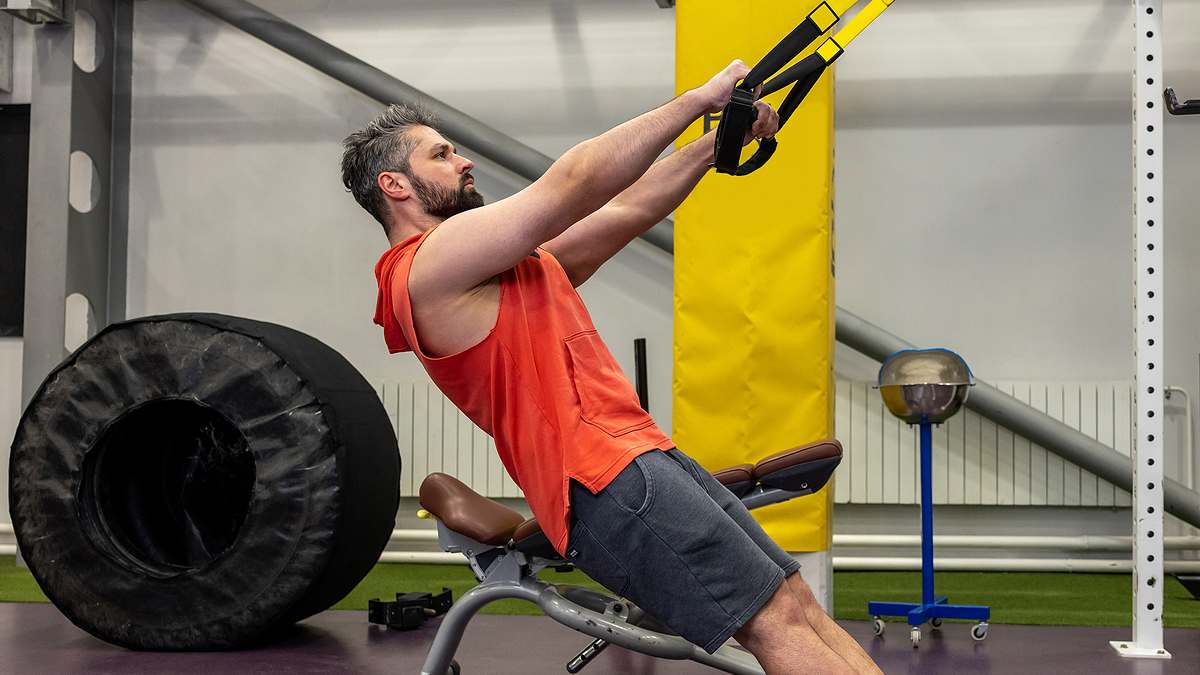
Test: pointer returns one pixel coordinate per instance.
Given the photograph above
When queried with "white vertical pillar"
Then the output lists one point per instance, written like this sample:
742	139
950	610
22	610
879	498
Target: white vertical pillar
1148	336
816	568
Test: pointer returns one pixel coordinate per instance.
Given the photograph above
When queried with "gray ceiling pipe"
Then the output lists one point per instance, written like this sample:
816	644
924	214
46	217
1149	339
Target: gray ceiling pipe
852	330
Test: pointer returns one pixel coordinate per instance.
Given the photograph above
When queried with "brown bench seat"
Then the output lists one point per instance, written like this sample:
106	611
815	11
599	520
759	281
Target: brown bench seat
467	512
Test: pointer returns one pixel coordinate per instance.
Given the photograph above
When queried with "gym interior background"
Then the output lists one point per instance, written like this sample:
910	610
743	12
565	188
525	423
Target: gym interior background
983	203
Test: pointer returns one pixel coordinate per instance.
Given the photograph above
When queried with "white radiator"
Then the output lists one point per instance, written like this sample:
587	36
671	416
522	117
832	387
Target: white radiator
974	461
433	435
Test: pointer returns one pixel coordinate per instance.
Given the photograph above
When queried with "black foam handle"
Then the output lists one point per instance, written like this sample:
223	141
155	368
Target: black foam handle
736	119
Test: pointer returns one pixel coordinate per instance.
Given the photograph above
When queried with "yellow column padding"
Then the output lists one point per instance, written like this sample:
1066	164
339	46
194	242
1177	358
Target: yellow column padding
754	305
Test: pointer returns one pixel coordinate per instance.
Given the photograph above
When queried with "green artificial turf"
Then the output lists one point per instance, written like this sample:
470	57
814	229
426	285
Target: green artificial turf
1043	599
17	584
1015	597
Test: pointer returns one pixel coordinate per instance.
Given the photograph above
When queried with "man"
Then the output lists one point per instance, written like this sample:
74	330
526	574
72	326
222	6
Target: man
484	296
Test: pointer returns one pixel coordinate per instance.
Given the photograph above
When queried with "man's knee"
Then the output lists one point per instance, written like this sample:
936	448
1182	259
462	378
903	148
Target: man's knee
803	592
781	616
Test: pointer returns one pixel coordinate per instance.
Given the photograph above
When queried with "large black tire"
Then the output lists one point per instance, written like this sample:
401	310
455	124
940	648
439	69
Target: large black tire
200	481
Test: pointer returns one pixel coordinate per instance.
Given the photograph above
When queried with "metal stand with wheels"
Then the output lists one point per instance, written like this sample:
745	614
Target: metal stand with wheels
926	387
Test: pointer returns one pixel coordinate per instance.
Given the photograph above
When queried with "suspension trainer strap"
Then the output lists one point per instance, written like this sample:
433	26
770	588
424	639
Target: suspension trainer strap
739	114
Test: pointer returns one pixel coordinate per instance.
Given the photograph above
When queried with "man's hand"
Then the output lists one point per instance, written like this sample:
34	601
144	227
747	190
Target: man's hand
716	92
765	125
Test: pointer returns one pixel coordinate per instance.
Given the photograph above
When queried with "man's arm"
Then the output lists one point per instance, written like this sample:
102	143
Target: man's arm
585	246
472	247
588	244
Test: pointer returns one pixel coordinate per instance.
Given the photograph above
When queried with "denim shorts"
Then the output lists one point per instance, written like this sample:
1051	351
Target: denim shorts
671	539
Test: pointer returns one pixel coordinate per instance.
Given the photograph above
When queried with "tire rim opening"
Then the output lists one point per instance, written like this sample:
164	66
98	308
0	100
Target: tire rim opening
168	486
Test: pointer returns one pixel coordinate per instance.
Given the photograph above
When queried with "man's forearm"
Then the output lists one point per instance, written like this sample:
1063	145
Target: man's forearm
612	161
664	187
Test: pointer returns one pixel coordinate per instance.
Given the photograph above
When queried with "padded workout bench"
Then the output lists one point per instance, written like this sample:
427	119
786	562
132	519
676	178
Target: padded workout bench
506	553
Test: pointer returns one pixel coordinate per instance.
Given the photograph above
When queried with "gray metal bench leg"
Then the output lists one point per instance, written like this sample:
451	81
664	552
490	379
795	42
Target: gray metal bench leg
454	623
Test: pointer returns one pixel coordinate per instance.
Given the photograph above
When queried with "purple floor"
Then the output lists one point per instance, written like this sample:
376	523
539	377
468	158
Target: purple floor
35	638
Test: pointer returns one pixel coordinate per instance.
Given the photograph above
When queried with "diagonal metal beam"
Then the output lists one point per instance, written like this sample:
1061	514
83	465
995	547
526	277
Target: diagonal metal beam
852	330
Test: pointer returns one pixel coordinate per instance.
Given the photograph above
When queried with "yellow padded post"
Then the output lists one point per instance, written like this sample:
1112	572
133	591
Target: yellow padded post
754	301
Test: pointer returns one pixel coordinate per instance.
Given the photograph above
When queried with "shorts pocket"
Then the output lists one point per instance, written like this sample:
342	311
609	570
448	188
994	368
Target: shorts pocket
633	487
606	398
588	554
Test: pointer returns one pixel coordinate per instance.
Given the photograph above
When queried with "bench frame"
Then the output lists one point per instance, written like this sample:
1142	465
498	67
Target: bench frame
505	572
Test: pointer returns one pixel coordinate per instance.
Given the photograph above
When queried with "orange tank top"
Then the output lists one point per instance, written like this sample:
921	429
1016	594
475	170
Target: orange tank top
542	383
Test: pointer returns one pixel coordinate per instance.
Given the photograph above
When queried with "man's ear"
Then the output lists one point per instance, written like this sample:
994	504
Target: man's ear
394	185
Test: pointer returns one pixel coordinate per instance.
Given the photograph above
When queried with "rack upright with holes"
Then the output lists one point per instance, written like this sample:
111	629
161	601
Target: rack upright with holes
1147	639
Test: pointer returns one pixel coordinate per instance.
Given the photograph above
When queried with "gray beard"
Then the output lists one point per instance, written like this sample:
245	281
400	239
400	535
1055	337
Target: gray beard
441	202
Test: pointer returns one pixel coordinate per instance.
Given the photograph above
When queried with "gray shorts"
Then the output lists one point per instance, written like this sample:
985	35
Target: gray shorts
670	538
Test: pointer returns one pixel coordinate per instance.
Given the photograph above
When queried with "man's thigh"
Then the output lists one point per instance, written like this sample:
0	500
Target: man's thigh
738	512
656	536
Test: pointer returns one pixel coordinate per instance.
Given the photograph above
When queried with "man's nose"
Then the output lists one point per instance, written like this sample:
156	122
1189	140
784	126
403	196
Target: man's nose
467	165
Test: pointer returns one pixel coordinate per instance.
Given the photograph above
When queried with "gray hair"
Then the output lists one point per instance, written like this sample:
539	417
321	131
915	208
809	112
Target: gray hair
382	145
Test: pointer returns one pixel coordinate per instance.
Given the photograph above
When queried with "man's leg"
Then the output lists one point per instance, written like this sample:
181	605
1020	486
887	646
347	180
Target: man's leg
807	604
784	642
656	537
833	635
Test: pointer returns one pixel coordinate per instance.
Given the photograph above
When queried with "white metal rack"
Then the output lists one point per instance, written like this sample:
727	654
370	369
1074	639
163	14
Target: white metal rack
1148	210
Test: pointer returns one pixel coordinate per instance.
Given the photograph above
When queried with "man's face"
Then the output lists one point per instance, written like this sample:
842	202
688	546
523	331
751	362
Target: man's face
441	179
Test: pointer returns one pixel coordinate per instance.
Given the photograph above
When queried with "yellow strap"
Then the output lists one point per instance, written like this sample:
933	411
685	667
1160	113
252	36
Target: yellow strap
860	21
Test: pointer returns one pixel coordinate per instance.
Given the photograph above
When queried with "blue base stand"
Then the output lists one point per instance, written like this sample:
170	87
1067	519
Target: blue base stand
930	607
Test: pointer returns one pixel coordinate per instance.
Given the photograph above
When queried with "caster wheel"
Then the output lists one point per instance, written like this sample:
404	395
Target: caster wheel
878	626
936	622
454	669
979	631
915	636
